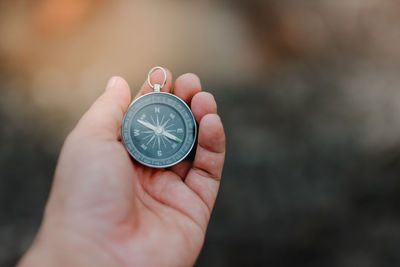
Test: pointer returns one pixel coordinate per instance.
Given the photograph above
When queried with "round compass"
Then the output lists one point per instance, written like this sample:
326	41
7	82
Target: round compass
159	129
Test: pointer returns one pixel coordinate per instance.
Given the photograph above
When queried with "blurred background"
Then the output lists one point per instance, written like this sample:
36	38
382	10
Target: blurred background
308	92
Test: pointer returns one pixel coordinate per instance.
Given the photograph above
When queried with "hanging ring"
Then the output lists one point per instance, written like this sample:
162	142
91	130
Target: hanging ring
157	87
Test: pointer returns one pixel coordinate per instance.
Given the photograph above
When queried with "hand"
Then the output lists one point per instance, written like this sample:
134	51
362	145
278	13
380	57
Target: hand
107	210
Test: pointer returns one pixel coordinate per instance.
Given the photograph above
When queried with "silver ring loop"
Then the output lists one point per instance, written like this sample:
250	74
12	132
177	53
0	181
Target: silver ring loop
151	71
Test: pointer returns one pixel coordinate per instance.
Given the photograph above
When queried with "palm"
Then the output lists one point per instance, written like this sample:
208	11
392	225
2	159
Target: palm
139	215
155	202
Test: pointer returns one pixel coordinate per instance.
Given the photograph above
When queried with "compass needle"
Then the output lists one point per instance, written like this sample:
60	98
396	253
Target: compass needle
147	124
171	136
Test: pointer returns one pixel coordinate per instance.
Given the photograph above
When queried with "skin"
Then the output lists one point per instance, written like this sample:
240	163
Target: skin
105	209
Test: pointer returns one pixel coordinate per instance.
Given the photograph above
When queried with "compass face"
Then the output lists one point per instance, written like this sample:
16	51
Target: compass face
159	130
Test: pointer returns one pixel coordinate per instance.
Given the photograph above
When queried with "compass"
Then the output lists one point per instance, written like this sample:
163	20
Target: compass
159	129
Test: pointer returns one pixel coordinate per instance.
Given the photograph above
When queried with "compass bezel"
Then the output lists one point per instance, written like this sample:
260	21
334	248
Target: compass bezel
132	148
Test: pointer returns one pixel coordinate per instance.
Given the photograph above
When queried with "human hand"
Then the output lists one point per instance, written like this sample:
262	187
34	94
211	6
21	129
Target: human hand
105	209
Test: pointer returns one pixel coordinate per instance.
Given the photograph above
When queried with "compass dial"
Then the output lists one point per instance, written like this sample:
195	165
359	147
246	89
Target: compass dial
159	130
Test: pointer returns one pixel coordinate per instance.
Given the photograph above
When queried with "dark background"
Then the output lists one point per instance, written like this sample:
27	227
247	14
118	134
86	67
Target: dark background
308	92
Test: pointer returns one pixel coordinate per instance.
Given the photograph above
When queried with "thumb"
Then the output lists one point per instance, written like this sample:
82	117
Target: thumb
104	118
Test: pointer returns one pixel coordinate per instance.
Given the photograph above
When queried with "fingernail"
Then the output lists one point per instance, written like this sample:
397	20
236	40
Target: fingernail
111	83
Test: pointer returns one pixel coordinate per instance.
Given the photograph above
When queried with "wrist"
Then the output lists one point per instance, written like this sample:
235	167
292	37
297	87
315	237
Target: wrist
64	248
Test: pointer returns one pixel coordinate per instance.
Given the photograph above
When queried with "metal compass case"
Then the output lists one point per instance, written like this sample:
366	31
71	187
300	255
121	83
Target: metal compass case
159	129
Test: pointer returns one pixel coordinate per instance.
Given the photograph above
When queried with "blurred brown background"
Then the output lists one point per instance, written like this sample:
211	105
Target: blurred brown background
308	91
